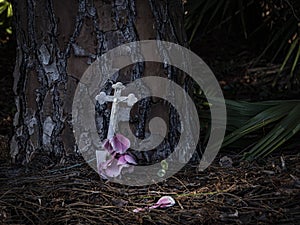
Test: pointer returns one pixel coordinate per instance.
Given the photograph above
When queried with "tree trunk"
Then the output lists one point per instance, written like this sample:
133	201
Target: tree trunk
57	41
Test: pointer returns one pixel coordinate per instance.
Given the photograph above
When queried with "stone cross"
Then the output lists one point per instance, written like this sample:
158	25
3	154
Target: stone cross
115	99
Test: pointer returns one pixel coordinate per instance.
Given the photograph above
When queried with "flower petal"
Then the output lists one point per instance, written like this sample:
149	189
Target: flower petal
107	145
120	143
122	160
130	159
104	165
113	170
164	202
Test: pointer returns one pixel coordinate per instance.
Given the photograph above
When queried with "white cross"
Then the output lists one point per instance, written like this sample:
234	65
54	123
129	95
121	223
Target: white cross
115	99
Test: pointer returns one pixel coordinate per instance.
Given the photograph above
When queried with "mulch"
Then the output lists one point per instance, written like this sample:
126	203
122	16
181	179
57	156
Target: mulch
265	192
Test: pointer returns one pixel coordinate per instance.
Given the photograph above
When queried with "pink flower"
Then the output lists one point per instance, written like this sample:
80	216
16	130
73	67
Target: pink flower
117	147
117	143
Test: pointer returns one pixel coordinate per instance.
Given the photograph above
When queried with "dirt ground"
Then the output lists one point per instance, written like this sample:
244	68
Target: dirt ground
264	192
258	193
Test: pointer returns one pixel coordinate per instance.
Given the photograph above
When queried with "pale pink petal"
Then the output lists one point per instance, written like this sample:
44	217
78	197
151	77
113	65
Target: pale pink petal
102	166
120	143
107	145
106	164
122	160
113	170
109	168
164	202
129	159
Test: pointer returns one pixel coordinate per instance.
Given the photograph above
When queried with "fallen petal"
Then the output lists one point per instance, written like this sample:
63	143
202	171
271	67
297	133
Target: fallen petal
164	202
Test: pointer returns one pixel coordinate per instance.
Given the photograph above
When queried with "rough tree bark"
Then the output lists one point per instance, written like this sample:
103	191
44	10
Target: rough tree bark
56	42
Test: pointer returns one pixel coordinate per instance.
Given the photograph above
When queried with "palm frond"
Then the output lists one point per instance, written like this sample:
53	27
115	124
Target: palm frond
277	121
259	127
280	134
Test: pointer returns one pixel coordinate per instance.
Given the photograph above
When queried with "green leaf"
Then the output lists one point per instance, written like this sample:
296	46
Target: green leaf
9	11
292	48
9	30
296	60
281	133
262	119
